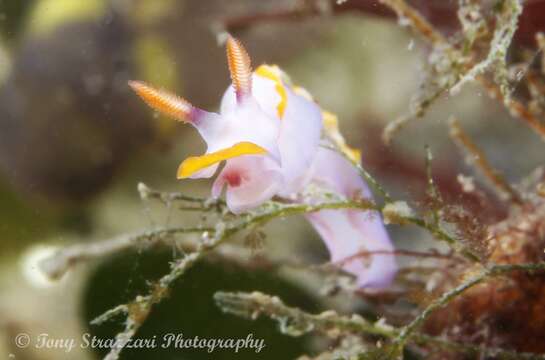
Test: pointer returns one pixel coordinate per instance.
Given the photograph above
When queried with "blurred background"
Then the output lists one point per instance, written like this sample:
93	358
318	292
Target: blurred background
75	141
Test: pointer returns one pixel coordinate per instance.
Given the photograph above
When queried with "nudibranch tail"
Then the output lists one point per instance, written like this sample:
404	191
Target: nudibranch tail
166	102
240	68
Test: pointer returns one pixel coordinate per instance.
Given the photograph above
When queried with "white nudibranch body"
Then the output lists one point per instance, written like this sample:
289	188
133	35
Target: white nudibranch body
268	133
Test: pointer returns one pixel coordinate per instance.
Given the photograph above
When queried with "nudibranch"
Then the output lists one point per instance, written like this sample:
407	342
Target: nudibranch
268	133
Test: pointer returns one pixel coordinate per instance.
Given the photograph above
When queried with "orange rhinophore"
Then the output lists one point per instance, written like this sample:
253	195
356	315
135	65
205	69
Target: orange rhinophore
240	68
165	102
